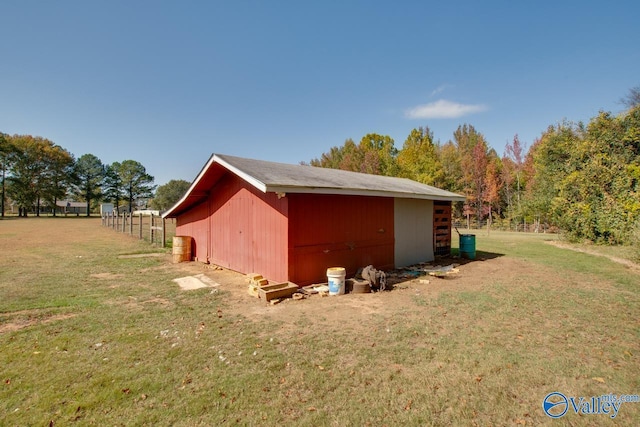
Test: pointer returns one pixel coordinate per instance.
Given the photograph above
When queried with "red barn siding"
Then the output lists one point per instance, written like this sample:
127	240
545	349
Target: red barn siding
195	223
294	238
334	230
240	228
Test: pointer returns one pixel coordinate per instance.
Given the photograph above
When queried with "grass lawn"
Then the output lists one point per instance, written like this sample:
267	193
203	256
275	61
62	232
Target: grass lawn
91	336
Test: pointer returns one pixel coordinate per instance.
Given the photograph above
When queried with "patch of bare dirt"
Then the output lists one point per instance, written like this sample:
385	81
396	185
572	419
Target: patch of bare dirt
25	318
134	303
107	276
356	309
147	255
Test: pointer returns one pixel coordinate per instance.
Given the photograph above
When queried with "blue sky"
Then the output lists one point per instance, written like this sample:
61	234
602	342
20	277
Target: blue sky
168	83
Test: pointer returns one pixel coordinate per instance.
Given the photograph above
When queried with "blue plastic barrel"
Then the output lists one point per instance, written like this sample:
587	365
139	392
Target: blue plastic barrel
468	246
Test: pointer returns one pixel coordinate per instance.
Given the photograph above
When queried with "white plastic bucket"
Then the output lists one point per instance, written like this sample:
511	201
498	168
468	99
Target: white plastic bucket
336	278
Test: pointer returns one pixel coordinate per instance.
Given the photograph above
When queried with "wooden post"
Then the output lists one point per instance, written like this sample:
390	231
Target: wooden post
151	230
124	221
140	226
164	233
131	224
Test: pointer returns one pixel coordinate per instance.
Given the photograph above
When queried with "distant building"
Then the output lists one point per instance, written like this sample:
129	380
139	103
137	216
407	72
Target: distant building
106	208
70	207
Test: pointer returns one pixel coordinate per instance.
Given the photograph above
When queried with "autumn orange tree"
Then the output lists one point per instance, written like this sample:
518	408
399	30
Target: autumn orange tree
474	158
492	188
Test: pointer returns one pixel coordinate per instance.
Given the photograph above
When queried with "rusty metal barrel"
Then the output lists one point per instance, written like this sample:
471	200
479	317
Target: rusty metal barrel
181	249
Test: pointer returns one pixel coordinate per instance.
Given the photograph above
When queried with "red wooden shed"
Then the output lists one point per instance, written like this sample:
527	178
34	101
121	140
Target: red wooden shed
292	222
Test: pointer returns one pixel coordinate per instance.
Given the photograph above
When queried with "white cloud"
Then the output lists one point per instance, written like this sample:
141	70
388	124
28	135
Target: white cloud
441	89
443	109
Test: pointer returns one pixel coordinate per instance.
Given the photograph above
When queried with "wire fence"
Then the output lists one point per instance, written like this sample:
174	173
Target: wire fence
145	225
505	225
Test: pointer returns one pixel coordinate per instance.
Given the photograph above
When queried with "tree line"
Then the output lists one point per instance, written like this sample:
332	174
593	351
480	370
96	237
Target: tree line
37	172
582	179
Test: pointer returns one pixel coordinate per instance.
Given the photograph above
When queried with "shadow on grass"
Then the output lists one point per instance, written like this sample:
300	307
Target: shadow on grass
417	271
455	258
47	216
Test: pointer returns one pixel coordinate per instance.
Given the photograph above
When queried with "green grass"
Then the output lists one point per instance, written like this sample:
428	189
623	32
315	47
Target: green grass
534	248
112	341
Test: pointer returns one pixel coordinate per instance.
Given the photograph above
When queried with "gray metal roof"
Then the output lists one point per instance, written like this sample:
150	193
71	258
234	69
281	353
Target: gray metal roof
287	178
